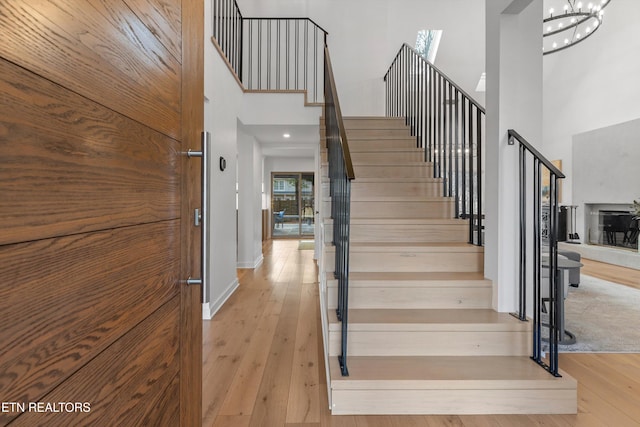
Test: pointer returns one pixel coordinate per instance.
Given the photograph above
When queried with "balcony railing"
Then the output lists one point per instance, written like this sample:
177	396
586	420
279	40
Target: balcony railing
271	54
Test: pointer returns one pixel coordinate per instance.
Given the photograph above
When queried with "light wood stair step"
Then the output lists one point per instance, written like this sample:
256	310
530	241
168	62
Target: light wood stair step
404	230
420	332
376	143
410	257
449	385
404	290
388	156
402	207
393	170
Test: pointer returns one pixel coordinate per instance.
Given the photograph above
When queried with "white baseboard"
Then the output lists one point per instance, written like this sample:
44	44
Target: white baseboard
211	308
254	264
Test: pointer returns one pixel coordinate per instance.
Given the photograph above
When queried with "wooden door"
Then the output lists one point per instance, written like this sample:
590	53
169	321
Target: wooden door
99	101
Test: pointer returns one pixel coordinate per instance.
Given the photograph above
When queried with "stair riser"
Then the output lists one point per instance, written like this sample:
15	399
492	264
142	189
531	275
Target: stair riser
418	170
374	123
454	402
386	157
414	298
416	262
374	133
426	189
403	233
432	343
432	209
376	144
371	122
409	233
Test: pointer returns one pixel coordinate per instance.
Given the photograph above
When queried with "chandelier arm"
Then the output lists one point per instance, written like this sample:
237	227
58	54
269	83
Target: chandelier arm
558	49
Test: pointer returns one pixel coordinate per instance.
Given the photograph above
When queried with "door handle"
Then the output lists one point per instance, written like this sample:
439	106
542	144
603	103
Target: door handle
200	216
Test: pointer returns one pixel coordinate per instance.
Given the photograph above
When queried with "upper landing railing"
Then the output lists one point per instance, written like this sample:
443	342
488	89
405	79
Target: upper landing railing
271	54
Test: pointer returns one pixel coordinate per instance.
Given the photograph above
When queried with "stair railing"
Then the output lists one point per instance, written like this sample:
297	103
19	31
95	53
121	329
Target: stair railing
538	187
271	54
283	54
448	125
340	175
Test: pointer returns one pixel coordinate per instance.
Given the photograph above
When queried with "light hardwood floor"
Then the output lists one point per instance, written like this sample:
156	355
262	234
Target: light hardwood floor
263	362
612	273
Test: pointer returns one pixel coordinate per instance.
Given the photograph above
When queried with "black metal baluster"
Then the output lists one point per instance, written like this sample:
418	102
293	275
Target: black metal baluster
288	43
450	140
479	173
250	74
315	64
457	153
297	51
471	180
306	54
259	54
537	321
268	54
241	49
523	234
278	55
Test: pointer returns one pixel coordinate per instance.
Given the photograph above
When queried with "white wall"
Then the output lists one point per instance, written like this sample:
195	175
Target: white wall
224	100
365	35
606	168
249	200
514	100
592	85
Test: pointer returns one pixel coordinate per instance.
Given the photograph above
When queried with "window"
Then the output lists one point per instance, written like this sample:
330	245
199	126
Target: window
427	43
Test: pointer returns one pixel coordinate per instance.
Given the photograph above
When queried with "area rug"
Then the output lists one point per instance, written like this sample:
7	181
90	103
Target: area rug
603	316
306	245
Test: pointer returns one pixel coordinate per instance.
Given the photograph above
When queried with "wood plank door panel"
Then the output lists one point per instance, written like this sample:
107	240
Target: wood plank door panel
71	149
99	102
99	49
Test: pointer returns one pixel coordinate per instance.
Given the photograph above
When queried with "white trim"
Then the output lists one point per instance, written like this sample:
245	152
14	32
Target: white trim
250	264
211	308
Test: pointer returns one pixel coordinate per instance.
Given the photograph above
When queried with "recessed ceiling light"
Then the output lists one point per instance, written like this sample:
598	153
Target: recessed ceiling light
286	135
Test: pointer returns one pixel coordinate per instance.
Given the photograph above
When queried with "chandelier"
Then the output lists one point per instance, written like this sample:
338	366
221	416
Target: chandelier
569	22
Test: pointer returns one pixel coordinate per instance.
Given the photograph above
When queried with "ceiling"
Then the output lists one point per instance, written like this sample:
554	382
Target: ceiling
302	143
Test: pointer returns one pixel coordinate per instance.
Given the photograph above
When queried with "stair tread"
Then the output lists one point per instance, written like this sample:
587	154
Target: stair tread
438	372
452	319
397	180
361	150
367	198
416	276
405	221
414	247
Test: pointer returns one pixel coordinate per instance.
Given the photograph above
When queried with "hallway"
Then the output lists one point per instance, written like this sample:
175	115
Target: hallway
263	361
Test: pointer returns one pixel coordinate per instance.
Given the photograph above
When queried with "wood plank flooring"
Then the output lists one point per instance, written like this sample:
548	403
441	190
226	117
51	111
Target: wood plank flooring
263	362
612	273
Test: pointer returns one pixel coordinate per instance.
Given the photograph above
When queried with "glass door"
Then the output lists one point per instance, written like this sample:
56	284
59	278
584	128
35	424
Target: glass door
292	204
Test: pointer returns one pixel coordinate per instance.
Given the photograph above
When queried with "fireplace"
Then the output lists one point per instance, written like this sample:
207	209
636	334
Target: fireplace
611	225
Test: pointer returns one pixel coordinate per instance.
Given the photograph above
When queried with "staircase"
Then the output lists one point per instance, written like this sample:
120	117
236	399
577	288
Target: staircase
422	336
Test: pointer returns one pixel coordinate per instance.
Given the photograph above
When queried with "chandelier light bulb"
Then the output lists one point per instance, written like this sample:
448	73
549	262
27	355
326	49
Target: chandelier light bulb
575	19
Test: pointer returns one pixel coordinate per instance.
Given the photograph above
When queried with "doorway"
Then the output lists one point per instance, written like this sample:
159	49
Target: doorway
292	204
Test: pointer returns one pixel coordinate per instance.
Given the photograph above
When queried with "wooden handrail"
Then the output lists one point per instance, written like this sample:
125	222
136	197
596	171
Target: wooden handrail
343	134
